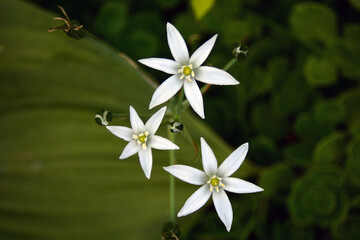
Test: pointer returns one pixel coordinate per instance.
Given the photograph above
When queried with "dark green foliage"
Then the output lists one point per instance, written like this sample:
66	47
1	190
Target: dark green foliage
298	106
318	198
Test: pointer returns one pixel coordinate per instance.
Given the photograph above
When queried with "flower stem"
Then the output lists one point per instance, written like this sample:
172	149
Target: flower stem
172	179
179	104
229	64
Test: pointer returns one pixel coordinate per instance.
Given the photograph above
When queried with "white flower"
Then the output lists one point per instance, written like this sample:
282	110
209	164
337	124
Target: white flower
215	180
185	70
142	138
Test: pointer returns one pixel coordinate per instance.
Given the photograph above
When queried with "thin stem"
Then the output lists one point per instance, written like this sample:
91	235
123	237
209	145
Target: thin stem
172	180
229	64
179	104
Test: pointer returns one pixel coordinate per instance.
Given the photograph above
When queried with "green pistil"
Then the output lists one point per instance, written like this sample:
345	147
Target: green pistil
187	71
142	138
214	182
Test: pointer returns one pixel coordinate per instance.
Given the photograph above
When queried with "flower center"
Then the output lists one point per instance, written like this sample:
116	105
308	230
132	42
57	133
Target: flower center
141	139
215	182
187	72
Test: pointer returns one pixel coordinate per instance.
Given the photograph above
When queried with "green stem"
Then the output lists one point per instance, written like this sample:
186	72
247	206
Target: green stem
172	180
179	105
229	64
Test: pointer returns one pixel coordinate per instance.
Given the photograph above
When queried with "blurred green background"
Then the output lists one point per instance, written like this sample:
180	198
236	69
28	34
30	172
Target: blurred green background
297	106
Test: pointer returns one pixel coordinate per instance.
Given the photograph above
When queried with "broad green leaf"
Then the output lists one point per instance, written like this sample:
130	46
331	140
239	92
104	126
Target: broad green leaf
319	72
201	7
313	21
60	173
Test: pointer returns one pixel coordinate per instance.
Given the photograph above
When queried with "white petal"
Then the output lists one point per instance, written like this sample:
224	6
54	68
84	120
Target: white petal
166	90
233	161
154	122
121	132
237	185
193	95
161	143
212	75
195	201
136	123
177	45
187	174
131	148
162	64
223	208
208	158
145	157
200	55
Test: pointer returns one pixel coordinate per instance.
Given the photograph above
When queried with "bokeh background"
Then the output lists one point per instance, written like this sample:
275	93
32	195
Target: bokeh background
297	106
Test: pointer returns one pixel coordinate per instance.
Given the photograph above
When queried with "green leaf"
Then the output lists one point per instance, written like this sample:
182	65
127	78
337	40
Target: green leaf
111	19
355	4
330	149
343	51
319	72
201	7
350	99
353	163
288	230
293	95
318	198
313	21
299	154
276	180
310	129
263	151
268	123
60	173
331	111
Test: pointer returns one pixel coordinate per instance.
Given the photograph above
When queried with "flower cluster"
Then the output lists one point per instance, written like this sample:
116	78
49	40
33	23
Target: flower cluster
186	71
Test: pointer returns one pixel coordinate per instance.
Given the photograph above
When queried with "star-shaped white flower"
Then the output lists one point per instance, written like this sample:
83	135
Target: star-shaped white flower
215	180
185	70
142	138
